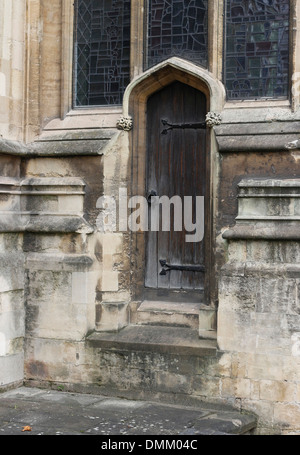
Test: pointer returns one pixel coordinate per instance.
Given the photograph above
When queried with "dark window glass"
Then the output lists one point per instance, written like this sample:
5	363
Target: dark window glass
102	51
177	28
257	49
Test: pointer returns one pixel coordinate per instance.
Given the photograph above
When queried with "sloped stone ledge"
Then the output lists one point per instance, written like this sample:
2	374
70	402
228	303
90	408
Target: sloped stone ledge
170	340
9	147
257	136
41	223
268	209
243	269
59	261
43	205
53	144
263	231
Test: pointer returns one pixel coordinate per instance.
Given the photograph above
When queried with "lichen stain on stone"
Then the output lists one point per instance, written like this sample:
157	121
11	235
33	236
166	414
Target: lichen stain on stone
36	369
32	317
98	251
98	313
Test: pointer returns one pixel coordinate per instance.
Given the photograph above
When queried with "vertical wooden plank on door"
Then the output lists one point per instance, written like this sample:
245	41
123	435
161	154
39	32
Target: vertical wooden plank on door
164	106
175	167
153	144
176	139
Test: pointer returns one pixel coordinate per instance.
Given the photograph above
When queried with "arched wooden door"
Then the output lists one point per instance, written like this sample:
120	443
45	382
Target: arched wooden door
176	165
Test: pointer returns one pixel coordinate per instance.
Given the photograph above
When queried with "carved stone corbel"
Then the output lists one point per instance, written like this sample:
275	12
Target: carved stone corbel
213	119
125	123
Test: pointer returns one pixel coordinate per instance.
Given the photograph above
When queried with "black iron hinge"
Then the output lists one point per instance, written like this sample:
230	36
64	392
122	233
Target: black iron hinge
182	126
184	268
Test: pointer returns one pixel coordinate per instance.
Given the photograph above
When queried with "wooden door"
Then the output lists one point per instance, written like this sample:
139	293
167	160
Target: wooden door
176	166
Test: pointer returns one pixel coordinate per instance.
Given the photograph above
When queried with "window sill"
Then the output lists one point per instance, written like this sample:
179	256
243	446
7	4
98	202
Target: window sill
94	110
258	111
86	118
257	104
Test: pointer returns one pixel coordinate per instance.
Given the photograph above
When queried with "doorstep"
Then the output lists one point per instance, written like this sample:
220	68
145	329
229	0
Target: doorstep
160	339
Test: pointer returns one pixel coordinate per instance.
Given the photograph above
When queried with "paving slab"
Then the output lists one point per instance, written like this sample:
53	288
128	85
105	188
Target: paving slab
51	412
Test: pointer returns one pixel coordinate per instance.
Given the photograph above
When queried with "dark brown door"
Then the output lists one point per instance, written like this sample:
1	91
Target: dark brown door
176	166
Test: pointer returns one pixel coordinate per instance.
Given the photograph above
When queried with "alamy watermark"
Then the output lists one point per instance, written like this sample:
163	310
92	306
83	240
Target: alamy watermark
155	213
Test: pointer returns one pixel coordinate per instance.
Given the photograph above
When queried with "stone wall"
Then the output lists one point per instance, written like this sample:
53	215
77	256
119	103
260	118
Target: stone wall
61	279
258	315
49	265
12	310
12	68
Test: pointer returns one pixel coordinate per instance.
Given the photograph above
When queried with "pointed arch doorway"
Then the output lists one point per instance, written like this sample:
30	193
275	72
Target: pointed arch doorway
177	92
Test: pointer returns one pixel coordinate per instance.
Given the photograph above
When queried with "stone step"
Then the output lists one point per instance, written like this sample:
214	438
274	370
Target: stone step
163	313
158	339
170	365
177	314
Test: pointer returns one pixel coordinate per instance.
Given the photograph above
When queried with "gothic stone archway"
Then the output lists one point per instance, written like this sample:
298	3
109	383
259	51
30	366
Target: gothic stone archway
136	105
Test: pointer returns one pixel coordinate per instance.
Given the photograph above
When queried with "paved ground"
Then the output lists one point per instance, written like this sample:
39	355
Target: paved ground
61	413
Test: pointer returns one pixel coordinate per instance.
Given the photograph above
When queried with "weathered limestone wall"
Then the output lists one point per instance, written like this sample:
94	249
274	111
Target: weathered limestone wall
63	265
69	277
258	315
12	285
12	63
86	274
44	65
61	278
258	328
113	310
12	310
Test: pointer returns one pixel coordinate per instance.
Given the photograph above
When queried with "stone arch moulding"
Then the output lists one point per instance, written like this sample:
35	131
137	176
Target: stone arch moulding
168	71
135	108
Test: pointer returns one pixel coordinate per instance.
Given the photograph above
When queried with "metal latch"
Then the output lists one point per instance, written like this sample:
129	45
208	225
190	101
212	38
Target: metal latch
184	268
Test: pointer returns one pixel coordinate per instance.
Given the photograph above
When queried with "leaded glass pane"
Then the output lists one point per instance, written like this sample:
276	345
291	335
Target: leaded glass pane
102	51
257	49
177	28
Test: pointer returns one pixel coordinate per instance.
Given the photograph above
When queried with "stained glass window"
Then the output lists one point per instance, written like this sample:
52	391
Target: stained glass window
177	28
257	49
102	51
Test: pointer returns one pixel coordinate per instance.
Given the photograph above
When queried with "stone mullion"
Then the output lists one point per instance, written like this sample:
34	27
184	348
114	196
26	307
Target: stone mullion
215	37
295	55
33	69
137	37
67	56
